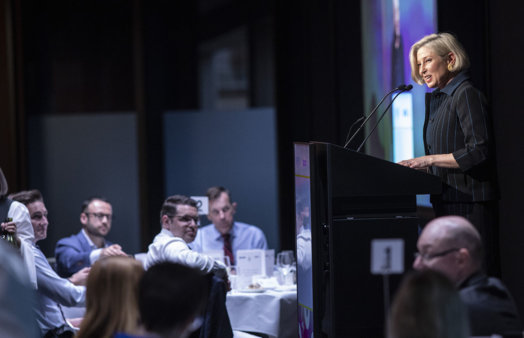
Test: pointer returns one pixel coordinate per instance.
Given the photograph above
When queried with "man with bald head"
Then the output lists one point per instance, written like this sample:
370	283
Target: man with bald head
452	246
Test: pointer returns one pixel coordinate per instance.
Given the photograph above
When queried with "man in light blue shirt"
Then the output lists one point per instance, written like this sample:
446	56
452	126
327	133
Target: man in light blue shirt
226	234
53	291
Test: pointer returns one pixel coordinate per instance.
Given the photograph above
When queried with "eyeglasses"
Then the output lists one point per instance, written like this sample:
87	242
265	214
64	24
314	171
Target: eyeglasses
188	219
428	257
100	216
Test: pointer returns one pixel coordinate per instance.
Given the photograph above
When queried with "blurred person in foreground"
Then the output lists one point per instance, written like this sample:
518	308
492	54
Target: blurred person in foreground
458	139
427	305
171	300
17	297
89	244
112	298
14	218
452	246
224	234
53	291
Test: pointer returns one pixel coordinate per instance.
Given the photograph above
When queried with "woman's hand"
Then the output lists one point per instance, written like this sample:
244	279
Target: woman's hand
9	227
424	162
421	163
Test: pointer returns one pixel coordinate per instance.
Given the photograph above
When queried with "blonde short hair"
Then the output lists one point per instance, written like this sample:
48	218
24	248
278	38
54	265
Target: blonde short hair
441	44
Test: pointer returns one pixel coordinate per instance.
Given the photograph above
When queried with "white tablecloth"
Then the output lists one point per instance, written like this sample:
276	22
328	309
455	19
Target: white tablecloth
272	312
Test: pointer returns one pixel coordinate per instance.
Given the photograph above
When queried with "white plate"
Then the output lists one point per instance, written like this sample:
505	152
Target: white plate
286	287
251	290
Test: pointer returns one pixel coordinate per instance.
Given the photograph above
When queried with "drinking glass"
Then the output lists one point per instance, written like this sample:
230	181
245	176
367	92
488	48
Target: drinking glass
285	260
231	269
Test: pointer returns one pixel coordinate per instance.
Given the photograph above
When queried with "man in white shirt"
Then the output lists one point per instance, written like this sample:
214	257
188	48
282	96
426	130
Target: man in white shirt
179	221
226	234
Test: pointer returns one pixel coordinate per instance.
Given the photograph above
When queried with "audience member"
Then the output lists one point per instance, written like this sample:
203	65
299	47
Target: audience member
84	248
179	221
427	305
17	298
19	216
452	246
53	291
171	299
112	298
226	234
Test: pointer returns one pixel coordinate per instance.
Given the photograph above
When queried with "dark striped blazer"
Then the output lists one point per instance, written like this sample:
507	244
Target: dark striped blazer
458	122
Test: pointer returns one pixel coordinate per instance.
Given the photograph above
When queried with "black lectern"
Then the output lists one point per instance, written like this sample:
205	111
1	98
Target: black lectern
344	200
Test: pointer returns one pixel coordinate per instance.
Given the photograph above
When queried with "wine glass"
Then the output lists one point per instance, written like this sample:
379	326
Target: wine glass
285	261
231	269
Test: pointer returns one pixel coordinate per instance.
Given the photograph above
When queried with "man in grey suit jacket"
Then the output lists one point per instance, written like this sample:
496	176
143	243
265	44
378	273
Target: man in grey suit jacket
84	248
452	246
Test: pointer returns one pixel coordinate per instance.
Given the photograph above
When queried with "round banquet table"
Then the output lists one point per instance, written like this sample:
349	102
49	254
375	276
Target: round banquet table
270	312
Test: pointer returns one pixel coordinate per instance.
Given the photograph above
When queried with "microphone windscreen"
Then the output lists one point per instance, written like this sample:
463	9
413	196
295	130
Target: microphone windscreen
403	87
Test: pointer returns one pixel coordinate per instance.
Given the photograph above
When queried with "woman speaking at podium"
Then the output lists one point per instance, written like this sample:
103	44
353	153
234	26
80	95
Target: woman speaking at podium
458	138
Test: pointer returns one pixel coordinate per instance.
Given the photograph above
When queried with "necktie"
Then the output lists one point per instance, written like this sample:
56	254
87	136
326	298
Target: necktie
228	251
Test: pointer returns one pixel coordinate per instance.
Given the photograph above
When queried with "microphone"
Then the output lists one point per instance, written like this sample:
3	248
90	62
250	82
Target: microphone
402	88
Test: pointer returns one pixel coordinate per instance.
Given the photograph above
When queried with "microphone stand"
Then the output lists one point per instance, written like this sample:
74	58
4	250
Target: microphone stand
372	113
402	89
351	128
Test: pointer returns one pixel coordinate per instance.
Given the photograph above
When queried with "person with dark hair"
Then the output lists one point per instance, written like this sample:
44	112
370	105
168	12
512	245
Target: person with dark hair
458	139
53	290
171	299
224	234
87	246
179	221
14	218
427	305
452	246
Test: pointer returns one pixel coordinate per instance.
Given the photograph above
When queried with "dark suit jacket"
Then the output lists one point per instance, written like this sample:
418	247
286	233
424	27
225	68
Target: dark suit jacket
216	319
490	307
72	254
458	122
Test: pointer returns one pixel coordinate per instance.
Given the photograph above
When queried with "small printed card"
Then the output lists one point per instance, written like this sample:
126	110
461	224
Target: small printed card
387	256
204	204
255	262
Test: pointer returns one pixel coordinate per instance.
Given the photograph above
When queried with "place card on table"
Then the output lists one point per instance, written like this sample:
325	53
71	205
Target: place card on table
255	262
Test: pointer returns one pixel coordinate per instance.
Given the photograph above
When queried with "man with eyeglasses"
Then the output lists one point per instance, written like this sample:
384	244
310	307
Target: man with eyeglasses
179	226
179	221
224	234
87	246
452	246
